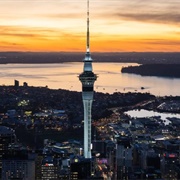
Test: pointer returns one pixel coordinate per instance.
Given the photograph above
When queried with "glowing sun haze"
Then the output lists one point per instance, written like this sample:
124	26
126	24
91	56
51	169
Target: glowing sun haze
115	25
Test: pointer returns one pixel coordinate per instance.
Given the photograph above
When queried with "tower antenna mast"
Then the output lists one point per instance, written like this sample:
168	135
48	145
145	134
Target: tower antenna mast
88	42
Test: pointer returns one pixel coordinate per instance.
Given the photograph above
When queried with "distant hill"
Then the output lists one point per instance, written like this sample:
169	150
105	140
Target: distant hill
163	70
60	57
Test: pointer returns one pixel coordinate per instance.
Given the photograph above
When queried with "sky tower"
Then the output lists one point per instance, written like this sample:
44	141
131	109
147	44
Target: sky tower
87	78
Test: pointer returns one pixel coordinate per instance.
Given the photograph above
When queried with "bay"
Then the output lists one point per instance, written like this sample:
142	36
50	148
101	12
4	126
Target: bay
65	76
145	113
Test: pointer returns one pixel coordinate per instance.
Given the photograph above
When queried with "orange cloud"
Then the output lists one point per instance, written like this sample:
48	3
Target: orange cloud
39	39
136	25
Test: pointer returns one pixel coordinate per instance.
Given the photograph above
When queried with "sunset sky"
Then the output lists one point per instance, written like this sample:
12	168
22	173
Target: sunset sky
115	25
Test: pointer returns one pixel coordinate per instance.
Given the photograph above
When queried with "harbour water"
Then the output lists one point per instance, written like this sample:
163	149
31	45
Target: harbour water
145	113
65	76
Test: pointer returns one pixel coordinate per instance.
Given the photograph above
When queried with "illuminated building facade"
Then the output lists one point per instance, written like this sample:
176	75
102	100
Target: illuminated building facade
18	169
49	168
124	158
81	169
7	136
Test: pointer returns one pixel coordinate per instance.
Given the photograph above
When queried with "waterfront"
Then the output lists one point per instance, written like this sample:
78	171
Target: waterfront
145	113
110	78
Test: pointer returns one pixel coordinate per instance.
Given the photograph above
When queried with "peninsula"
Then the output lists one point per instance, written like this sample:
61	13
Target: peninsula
161	70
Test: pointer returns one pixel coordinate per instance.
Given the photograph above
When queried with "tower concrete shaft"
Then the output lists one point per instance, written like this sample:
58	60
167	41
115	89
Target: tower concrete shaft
87	78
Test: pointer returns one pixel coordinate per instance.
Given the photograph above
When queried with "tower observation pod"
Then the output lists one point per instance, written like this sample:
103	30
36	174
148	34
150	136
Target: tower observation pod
87	78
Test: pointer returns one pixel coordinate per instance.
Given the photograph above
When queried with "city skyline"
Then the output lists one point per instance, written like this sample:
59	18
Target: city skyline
46	25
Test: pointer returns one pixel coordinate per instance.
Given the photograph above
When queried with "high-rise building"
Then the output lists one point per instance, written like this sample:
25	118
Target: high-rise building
81	169
124	158
7	136
16	83
49	168
87	78
17	167
38	165
25	84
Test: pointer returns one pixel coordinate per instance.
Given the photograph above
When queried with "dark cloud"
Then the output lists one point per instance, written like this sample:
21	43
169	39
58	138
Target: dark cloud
170	18
10	43
166	18
19	31
18	34
153	11
159	41
165	42
38	33
148	6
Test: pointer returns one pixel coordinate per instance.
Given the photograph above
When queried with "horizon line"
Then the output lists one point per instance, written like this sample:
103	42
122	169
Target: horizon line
100	52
